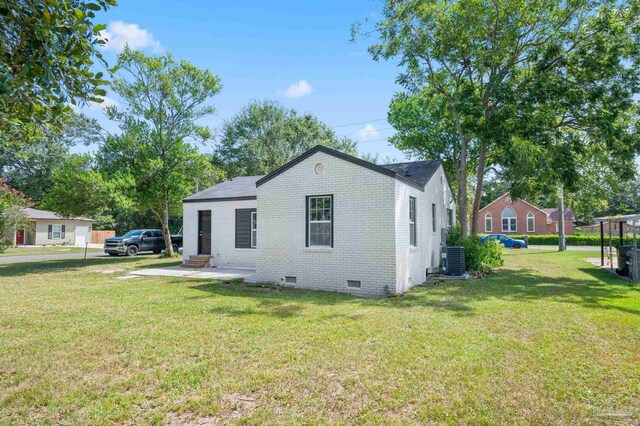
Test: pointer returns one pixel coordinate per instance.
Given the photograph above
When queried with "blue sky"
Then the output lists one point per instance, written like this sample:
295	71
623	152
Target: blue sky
297	53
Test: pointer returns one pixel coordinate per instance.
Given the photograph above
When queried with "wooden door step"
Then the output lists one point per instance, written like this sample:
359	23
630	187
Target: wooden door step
197	261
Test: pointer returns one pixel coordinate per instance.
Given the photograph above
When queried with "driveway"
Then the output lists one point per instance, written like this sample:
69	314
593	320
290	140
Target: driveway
35	257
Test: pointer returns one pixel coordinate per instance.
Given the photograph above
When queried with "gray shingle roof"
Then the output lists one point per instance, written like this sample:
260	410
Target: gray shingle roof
238	187
49	215
554	213
417	171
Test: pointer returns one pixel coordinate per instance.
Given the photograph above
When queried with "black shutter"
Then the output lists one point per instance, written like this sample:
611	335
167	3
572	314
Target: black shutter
306	222
243	228
50	231
62	234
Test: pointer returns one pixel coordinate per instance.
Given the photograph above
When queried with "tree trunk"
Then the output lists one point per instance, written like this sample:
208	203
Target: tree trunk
165	227
475	208
463	218
561	237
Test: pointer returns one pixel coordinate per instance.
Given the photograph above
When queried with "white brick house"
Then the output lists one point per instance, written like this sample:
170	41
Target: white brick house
327	221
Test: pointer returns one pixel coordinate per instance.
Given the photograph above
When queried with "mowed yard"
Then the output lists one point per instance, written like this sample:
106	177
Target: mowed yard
549	339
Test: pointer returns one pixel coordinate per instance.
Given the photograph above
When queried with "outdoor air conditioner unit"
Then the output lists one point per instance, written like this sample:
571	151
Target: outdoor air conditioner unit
455	261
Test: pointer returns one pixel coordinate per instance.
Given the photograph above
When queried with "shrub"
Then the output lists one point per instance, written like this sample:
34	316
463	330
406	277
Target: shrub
574	240
4	245
477	256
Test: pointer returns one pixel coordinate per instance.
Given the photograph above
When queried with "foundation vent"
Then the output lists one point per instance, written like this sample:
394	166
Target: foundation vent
353	284
290	280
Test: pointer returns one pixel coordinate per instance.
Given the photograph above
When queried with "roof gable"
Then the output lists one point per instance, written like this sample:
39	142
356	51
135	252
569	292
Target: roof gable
519	199
413	174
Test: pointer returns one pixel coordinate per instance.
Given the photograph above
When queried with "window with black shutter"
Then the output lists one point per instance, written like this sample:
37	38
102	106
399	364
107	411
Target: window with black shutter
244	228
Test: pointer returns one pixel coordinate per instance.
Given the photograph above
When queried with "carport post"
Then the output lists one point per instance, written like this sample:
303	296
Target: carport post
635	267
601	243
621	235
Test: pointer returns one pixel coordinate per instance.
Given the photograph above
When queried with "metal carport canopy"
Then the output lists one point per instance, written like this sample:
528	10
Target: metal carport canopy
634	218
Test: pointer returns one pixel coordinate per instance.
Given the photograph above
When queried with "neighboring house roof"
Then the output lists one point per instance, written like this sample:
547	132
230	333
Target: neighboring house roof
238	188
36	214
520	199
413	175
553	214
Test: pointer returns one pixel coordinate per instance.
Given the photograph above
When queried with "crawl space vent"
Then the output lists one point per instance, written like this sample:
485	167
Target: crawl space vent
290	280
353	284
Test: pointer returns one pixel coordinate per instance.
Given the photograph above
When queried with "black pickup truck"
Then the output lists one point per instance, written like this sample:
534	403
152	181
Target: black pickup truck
139	240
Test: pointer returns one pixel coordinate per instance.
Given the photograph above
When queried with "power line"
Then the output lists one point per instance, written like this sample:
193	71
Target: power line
359	132
375	140
362	122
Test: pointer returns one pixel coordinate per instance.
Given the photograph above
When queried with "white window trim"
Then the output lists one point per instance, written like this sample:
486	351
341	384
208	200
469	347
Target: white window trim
53	232
434	218
330	221
530	215
509	220
490	228
254	229
412	223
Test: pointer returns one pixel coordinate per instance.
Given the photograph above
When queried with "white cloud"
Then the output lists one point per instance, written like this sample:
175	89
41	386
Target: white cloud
119	34
368	132
106	102
297	90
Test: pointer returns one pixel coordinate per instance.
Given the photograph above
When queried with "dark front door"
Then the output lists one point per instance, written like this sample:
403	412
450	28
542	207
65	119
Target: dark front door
204	232
20	237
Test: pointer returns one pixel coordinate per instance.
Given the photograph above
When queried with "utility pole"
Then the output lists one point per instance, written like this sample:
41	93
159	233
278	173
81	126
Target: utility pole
562	246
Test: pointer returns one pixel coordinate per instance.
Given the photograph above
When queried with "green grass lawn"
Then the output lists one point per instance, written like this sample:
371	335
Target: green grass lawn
29	251
550	339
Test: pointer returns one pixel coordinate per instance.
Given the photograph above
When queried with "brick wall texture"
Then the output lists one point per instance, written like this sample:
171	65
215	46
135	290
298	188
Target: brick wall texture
522	209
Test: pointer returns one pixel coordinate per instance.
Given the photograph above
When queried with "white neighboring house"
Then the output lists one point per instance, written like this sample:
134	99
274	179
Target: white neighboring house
327	221
49	228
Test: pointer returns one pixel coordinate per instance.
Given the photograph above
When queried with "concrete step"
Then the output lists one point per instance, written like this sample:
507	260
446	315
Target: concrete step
194	264
200	257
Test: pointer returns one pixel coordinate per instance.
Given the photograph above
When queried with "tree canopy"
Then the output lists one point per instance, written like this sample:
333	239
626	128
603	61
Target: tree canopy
162	101
264	135
47	53
29	167
488	79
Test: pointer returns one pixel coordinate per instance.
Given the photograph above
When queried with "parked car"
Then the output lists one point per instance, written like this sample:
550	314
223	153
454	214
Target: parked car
505	240
139	240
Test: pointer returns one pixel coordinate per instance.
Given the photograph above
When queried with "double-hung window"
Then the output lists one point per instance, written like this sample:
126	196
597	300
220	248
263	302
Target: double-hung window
254	229
56	232
320	221
413	236
531	222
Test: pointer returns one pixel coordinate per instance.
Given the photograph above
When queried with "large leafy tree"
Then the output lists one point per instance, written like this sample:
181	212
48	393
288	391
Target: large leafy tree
162	102
80	189
47	54
12	214
29	167
265	135
472	64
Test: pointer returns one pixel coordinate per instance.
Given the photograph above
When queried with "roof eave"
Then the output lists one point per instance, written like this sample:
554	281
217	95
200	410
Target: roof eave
214	199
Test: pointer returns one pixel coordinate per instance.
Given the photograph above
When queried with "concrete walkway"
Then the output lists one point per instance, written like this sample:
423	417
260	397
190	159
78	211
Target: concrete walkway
222	274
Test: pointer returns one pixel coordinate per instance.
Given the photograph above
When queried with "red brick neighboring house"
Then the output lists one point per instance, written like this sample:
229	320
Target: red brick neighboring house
507	216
